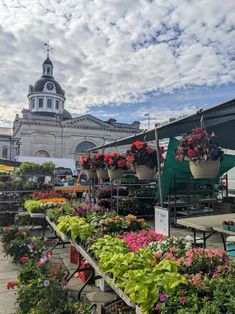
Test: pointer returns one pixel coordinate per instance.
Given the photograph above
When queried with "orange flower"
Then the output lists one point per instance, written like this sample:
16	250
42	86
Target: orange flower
53	200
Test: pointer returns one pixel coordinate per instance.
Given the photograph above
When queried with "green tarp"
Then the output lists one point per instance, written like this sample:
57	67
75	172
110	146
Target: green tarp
174	169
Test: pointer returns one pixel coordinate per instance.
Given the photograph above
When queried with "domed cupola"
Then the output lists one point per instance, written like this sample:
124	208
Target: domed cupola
46	95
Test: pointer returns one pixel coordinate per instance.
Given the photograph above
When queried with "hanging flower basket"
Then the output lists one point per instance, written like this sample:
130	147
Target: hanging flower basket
90	174
102	173
204	169
144	172
115	174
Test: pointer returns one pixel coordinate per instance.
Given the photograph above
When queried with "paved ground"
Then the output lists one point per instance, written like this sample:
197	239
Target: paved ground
8	272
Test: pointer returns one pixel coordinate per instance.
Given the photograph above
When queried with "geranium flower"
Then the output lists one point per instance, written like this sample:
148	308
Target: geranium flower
24	259
12	284
182	300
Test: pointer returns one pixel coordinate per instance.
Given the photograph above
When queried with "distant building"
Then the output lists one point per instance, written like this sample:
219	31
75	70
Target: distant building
8	144
47	129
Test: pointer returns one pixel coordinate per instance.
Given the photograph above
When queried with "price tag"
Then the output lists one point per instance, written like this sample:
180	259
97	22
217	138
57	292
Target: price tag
162	220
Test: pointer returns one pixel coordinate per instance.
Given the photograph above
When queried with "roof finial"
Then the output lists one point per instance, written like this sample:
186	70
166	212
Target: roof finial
47	48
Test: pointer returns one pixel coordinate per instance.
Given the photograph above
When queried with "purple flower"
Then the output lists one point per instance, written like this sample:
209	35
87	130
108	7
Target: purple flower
162	297
46	283
157	307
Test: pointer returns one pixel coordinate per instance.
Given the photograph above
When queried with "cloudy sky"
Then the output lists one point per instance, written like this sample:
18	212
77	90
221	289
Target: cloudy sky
120	58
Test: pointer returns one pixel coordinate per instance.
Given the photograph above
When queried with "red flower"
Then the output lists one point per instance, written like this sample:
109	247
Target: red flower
182	300
149	149
138	144
111	162
161	149
107	157
18	234
24	259
121	163
115	154
39	264
6	229
191	153
198	130
11	284
49	254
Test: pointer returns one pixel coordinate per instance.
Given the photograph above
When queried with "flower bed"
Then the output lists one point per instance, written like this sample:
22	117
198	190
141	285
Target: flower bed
159	274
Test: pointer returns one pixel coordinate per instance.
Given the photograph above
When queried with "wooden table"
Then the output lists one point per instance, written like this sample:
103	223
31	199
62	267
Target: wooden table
71	189
205	224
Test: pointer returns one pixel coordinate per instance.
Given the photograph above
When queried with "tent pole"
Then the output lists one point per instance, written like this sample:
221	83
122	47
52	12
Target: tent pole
158	167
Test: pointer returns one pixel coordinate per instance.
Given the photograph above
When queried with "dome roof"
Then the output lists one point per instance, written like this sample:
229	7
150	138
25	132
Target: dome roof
39	85
47	61
66	115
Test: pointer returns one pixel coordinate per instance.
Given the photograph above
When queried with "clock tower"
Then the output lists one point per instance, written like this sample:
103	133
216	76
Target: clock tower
46	97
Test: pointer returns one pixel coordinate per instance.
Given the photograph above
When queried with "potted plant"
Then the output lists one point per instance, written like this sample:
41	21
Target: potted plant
116	163
143	158
225	225
202	152
231	225
99	165
88	166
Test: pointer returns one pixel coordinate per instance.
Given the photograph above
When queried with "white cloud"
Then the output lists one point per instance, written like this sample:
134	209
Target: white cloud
115	50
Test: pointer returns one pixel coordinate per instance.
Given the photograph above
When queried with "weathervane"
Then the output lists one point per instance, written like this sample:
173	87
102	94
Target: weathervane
47	48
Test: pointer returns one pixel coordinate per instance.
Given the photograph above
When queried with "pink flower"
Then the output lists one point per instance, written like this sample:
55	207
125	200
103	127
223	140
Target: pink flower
188	263
158	254
173	250
162	297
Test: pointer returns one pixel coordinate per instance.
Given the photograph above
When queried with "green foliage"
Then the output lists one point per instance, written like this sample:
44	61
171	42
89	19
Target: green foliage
108	244
27	168
76	227
33	206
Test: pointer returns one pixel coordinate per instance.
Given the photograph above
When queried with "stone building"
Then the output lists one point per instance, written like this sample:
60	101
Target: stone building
47	129
8	144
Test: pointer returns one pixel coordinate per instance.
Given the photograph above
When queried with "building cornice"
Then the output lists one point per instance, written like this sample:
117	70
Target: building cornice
99	127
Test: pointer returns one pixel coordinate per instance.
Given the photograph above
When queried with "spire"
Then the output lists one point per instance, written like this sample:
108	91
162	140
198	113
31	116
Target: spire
47	66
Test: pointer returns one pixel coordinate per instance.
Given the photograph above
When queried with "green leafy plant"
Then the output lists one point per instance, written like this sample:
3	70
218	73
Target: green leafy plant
76	227
33	206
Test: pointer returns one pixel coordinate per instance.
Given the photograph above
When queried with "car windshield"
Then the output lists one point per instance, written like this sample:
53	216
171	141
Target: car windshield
64	171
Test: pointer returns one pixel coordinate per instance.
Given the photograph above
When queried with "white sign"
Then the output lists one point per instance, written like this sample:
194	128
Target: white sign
162	221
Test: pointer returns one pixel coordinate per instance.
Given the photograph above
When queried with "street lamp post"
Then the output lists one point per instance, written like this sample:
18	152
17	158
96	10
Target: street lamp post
148	115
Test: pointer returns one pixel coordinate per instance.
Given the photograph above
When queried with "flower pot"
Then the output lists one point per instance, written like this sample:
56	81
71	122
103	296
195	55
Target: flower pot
232	228
143	172
204	169
90	174
102	173
115	174
225	227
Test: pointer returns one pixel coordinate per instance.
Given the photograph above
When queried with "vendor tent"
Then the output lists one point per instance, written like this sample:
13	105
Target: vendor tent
220	119
9	163
174	169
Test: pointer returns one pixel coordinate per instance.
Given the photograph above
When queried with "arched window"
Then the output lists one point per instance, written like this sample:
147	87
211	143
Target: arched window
83	146
42	153
5	152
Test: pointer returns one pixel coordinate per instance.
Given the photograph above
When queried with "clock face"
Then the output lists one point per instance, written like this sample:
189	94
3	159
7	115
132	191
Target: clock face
49	86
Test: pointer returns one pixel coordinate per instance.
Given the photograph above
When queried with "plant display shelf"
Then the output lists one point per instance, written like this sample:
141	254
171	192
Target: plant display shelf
192	197
94	266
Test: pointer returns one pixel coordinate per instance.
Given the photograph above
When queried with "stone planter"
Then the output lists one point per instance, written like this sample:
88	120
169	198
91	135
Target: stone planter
204	169
102	173
144	172
115	174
